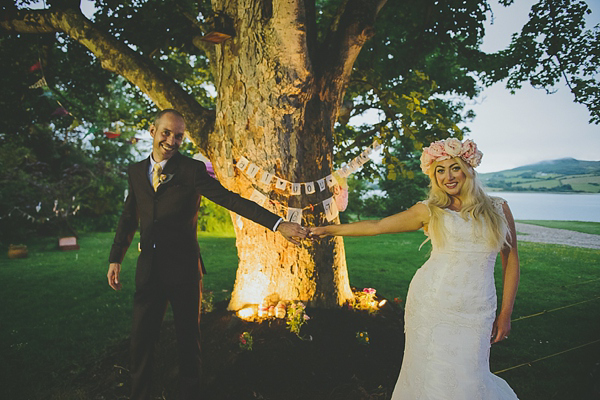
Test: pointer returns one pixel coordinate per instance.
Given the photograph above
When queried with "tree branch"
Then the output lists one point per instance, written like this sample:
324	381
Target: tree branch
348	34
120	59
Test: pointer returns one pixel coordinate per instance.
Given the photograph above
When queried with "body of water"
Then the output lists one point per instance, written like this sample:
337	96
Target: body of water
553	206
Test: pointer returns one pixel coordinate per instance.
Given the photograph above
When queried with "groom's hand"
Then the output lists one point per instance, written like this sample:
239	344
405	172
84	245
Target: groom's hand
292	231
114	269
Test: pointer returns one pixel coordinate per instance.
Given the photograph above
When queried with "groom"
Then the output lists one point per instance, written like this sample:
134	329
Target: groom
164	195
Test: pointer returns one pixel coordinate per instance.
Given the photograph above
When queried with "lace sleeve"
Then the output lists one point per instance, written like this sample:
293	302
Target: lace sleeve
498	202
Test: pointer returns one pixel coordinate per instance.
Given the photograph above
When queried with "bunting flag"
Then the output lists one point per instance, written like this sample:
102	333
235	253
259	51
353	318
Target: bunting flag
309	187
333	182
252	170
296	189
242	163
346	171
111	135
41	83
60	112
331	211
281	184
266	178
258	197
35	67
294	215
321	183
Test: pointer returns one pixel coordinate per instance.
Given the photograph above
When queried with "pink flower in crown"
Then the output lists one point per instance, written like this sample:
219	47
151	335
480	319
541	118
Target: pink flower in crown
453	147
436	149
476	159
469	149
369	290
449	148
426	160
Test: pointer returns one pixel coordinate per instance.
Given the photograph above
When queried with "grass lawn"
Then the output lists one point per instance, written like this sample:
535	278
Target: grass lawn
59	314
578	226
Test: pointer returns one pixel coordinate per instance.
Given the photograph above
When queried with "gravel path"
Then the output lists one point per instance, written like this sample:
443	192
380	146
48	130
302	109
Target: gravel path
541	234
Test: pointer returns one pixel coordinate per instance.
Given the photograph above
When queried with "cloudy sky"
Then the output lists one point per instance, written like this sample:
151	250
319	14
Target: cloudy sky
530	126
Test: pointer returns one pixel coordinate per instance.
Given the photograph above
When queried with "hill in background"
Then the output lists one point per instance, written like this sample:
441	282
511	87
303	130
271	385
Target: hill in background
563	175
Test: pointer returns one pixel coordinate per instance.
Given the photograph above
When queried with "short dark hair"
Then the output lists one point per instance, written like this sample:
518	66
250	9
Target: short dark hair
173	111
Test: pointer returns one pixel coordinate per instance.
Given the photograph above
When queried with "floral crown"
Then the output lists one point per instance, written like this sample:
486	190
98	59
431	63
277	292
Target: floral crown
450	148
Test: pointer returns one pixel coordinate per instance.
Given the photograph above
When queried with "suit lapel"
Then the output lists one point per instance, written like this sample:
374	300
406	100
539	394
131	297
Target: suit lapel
172	164
140	171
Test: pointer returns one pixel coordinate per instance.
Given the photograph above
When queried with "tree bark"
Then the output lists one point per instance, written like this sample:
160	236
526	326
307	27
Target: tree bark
266	94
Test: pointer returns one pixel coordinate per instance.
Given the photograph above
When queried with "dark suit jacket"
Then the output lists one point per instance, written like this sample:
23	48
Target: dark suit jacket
168	219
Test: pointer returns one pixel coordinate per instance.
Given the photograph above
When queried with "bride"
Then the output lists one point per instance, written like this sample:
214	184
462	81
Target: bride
450	316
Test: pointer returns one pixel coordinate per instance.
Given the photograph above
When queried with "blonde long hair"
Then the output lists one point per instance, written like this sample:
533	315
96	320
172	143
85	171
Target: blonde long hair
475	203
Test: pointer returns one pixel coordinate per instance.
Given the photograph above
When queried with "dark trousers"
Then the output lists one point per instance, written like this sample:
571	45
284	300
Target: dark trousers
149	307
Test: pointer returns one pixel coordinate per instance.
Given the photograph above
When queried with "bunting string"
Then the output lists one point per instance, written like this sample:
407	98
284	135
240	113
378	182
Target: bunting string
61	110
56	210
327	183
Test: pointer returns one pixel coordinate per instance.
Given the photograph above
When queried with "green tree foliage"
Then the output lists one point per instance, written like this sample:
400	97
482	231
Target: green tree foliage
423	51
553	47
214	218
53	146
404	183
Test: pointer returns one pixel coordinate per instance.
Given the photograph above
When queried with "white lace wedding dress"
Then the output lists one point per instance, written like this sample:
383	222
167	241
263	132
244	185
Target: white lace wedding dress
450	309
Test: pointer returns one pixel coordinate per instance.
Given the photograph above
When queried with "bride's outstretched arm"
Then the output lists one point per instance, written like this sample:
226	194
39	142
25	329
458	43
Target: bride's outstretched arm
410	220
510	278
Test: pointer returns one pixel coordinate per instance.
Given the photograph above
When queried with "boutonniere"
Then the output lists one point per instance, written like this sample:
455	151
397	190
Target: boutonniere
164	178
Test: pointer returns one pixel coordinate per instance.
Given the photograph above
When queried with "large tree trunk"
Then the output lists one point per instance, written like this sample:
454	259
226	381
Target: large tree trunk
266	93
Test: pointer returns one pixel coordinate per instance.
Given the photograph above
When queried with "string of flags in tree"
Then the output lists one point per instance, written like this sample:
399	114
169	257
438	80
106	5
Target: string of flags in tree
41	83
72	209
332	182
61	111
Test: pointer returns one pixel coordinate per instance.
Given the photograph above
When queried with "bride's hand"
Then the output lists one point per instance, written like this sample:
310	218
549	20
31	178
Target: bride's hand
501	328
315	232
